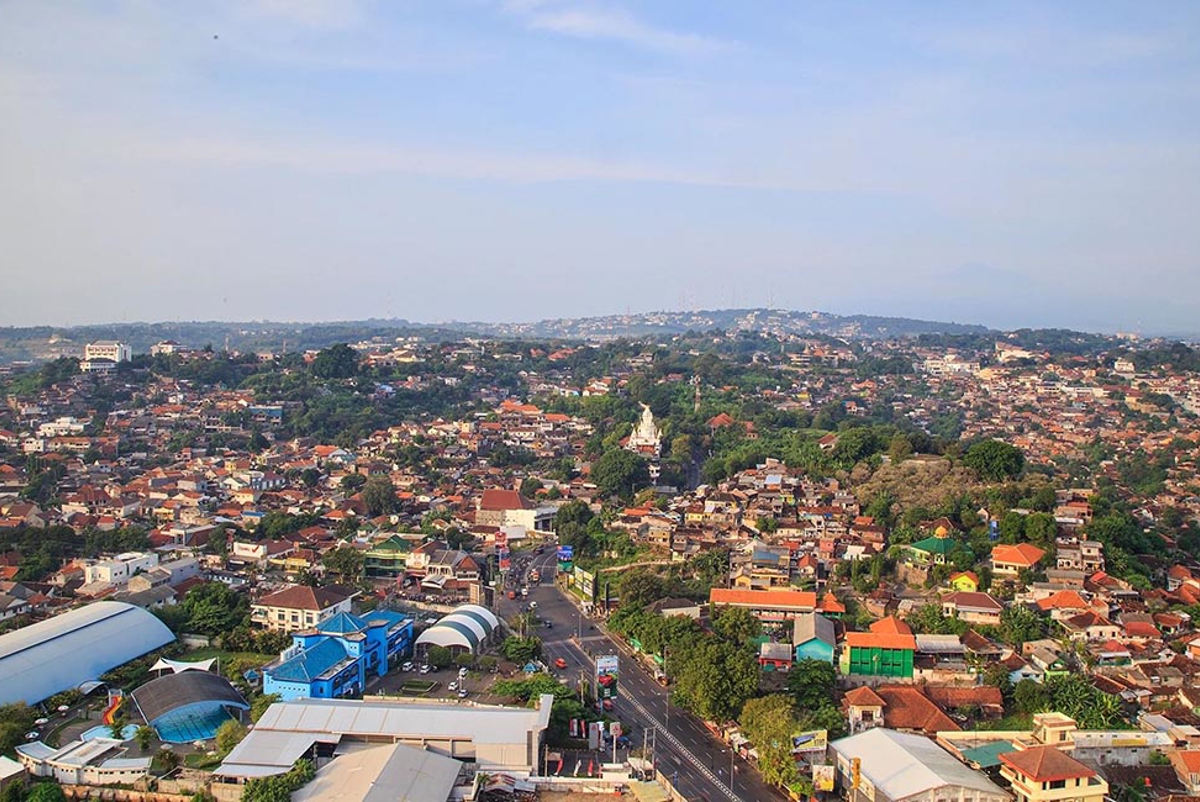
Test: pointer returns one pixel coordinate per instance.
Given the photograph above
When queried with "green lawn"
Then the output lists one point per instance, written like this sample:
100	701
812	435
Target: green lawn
418	687
199	760
227	656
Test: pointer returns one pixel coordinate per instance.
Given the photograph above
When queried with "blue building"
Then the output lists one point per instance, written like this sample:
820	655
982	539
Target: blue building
334	660
813	637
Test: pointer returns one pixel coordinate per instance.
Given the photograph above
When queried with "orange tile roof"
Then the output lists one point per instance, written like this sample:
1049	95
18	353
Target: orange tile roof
875	640
891	626
1021	554
801	599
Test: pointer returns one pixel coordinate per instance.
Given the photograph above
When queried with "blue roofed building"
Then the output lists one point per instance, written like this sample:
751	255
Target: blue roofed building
334	660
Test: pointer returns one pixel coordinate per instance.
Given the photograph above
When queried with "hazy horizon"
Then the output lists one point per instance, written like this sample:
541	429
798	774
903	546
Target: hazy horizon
1013	165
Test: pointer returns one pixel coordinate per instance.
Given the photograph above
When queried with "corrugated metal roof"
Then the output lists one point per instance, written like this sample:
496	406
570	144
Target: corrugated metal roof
901	765
63	652
383	774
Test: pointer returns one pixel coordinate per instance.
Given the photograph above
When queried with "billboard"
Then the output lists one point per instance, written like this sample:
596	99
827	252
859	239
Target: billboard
505	560
810	741
823	778
566	554
501	540
607	669
586	582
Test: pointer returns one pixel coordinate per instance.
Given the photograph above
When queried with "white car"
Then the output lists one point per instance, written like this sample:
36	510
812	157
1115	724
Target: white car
407	667
462	694
453	686
424	669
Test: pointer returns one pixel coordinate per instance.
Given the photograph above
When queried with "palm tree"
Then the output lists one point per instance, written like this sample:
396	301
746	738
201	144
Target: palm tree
144	735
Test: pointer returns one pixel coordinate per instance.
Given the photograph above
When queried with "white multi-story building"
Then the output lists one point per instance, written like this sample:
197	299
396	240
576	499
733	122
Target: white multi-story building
109	350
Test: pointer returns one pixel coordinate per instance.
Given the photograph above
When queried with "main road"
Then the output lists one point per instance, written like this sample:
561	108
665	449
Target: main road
698	764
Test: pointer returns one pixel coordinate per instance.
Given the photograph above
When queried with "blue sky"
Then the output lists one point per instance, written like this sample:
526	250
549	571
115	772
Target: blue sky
1015	164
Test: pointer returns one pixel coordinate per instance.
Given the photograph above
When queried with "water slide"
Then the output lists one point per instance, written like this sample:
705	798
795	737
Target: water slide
114	704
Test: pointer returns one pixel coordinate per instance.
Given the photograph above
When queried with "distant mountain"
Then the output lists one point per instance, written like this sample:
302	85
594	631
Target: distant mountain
48	342
773	321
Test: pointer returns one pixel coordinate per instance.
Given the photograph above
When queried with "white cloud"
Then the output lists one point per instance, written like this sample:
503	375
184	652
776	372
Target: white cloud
596	22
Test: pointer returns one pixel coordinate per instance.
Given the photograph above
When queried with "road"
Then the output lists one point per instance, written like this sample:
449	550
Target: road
695	760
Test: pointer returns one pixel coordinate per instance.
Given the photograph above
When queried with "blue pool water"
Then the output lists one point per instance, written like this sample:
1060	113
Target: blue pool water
103	731
191	724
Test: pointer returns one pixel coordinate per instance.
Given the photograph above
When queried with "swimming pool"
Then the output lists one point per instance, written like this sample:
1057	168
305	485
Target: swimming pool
103	731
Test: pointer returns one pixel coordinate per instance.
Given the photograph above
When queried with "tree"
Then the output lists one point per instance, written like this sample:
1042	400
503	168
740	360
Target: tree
345	562
571	523
640	587
336	362
214	609
994	460
1019	624
769	722
899	449
229	735
619	472
352	482
439	656
13	792
521	650
1030	696
812	683
15	720
379	495
1040	528
737	625
715	678
47	792
143	737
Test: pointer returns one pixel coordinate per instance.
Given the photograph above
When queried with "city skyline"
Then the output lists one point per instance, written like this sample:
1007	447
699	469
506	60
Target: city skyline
1009	165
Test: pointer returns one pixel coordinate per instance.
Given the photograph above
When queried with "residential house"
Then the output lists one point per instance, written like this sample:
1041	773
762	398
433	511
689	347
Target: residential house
1047	774
974	608
300	607
1009	560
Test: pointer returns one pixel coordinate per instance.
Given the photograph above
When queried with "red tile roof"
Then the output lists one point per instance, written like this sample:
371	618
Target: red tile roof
1045	764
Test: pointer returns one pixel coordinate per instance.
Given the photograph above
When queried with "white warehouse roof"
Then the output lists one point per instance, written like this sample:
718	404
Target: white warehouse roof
63	652
901	765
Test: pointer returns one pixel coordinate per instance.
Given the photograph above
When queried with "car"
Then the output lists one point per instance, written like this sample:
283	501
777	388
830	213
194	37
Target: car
608	704
533	605
462	693
453	686
31	736
560	663
407	666
462	672
424	669
549	625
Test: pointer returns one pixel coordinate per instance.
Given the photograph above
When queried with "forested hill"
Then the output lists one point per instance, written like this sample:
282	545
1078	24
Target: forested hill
48	342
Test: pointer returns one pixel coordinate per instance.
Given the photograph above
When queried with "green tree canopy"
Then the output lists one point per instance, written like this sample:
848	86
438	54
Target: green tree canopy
620	473
379	496
336	362
994	460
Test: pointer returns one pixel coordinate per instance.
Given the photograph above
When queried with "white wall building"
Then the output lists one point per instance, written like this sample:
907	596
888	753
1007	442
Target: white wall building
119	569
109	350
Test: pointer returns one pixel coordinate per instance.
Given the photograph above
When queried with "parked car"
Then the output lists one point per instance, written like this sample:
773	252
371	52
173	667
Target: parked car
407	666
453	686
462	693
424	669
608	704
